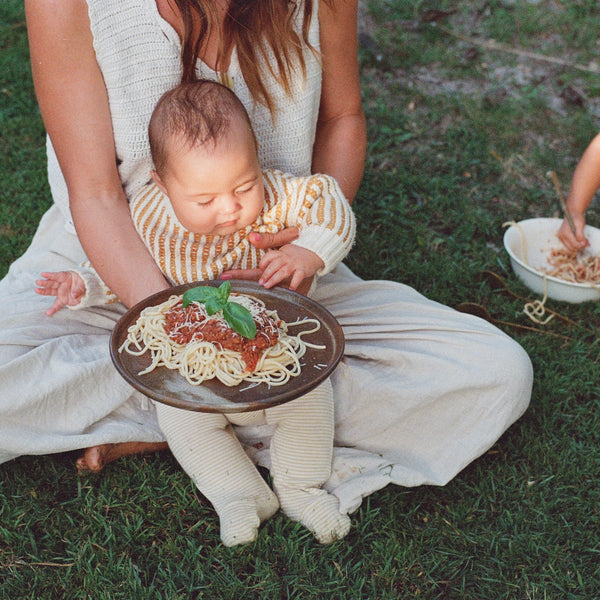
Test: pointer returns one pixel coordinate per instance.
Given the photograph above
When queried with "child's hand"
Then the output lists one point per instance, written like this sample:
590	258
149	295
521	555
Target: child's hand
577	241
67	286
289	262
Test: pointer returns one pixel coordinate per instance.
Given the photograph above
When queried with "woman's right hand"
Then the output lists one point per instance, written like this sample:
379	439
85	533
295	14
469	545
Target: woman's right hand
573	241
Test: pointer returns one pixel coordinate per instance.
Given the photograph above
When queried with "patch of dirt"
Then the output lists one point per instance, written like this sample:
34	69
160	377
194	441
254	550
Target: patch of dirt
503	71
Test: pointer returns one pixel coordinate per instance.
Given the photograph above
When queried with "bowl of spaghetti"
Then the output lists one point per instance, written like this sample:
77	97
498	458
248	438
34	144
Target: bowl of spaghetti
543	264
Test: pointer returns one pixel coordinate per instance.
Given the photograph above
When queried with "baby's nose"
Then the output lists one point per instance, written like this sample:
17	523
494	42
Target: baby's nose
230	204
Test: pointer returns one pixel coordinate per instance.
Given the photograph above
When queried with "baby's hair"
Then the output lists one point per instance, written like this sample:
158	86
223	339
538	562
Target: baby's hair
195	114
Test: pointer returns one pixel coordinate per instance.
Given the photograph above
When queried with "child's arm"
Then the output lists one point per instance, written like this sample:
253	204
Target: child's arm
316	207
585	184
326	227
324	219
74	289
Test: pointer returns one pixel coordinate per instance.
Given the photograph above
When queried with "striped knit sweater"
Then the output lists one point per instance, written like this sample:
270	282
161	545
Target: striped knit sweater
315	204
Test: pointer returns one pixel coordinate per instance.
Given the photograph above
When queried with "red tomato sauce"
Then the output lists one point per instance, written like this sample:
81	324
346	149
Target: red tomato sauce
186	324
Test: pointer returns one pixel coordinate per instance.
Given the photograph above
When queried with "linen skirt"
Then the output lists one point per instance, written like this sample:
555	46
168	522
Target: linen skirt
422	389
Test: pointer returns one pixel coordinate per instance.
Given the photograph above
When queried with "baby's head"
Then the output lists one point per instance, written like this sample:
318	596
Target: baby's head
205	158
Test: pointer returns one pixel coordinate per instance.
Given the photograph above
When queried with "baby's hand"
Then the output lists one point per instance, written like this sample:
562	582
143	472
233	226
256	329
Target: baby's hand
67	286
289	262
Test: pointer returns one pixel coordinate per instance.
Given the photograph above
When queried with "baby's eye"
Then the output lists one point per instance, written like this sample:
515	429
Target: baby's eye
205	202
246	189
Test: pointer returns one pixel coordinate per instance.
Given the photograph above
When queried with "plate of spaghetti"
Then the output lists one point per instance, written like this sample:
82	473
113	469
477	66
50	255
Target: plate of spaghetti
544	265
177	348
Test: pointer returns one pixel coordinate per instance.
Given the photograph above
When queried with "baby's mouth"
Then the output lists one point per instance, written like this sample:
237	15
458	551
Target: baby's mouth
230	223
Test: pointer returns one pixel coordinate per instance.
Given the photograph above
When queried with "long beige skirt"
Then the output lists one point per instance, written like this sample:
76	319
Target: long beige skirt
421	391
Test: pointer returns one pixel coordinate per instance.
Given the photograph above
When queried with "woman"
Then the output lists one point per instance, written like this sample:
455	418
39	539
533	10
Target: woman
422	390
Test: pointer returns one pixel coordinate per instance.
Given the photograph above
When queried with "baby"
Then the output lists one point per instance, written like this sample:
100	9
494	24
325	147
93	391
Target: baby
207	197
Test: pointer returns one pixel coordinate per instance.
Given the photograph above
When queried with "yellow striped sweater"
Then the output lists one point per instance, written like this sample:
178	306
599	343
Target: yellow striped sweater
315	204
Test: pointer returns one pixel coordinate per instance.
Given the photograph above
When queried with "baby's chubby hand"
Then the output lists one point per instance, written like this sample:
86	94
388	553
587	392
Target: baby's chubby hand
289	262
67	286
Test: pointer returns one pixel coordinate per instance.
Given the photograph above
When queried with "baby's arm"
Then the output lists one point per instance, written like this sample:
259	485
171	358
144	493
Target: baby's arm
324	219
290	261
585	184
75	289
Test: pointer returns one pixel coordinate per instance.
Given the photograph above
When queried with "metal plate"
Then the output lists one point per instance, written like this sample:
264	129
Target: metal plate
168	386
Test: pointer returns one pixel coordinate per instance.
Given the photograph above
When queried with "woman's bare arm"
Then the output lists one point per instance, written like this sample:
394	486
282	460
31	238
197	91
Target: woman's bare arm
74	106
340	145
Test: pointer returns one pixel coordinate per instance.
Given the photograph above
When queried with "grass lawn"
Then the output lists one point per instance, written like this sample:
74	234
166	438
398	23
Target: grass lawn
461	135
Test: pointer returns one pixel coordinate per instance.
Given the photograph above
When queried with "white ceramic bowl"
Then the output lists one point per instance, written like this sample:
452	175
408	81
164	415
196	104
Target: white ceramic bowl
538	237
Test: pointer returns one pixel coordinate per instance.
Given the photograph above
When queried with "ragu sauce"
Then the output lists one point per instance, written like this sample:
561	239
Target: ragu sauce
186	324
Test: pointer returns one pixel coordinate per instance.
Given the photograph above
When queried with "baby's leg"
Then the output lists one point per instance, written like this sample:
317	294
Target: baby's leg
209	452
301	452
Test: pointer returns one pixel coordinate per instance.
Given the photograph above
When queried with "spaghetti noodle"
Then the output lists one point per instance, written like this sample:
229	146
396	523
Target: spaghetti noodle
203	347
573	266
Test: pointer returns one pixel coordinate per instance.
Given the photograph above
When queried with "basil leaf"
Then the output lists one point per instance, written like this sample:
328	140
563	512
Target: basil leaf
215	304
214	299
240	319
224	290
202	293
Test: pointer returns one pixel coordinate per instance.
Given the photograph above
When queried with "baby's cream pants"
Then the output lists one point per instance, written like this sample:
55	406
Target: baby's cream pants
301	452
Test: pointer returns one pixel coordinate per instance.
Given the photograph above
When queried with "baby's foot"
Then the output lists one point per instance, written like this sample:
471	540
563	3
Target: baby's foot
318	511
266	505
239	522
240	519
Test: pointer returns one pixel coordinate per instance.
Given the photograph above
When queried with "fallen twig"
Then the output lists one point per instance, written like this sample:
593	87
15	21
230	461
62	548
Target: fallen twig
23	563
491	44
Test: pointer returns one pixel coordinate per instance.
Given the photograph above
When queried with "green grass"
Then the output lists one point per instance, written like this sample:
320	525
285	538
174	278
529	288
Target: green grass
460	139
22	152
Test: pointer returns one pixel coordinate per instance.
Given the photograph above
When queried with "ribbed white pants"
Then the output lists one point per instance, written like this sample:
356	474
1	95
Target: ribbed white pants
207	448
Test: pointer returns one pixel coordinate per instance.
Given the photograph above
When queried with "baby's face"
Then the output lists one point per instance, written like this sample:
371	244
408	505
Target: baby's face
216	191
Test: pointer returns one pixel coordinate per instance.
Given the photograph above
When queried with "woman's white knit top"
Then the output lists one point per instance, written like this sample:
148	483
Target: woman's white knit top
139	55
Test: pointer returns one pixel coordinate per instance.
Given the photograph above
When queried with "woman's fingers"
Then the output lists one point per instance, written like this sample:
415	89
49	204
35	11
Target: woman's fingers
273	240
245	274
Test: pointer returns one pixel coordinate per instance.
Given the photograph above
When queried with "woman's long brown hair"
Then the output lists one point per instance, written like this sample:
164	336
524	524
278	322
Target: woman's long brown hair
253	27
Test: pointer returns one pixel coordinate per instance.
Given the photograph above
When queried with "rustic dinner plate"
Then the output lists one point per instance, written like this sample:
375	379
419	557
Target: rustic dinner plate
168	386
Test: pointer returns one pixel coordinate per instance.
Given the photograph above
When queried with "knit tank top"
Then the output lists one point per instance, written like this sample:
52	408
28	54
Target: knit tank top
139	55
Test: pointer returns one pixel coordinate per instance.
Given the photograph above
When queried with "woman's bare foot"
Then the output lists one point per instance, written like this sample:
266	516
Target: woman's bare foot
95	458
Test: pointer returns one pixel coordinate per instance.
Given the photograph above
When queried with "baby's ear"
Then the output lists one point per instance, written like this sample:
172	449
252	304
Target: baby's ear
158	181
